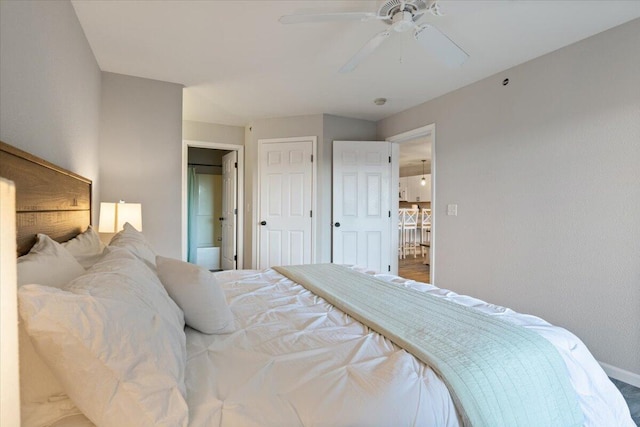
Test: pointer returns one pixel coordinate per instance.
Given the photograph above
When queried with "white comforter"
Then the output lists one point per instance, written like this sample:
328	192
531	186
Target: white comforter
295	360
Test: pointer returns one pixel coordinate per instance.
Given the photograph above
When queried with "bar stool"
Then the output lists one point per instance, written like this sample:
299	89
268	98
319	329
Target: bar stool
410	231
401	233
425	229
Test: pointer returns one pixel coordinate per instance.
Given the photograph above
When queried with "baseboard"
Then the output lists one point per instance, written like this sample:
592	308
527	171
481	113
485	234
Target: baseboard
621	374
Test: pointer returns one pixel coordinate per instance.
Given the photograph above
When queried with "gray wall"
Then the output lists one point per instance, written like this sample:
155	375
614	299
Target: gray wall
206	160
49	87
546	175
141	153
211	132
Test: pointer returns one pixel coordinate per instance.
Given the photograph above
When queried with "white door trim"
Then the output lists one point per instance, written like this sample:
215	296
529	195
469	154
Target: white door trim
314	192
399	139
240	188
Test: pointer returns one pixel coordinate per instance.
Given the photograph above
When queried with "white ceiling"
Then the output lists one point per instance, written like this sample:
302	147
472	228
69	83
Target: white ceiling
238	63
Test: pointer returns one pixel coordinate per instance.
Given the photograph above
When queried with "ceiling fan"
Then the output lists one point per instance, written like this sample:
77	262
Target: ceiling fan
401	16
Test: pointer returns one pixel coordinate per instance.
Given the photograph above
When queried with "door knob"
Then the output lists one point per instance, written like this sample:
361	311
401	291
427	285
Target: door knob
263	222
337	224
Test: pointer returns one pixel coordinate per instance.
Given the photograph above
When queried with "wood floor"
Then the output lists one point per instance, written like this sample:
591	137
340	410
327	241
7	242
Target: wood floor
413	268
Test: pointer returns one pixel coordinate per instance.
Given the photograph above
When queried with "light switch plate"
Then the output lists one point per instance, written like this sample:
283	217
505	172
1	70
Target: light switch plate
452	210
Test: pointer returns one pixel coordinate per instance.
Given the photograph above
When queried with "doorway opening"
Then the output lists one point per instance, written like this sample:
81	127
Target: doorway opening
212	223
416	200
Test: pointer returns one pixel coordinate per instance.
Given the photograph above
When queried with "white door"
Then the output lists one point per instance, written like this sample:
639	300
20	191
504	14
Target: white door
229	210
362	204
286	194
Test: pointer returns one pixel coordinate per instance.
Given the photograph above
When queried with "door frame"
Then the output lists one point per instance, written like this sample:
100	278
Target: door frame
399	139
255	252
239	191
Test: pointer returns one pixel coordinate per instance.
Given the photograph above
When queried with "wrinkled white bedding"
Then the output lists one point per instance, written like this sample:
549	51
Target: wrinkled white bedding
295	360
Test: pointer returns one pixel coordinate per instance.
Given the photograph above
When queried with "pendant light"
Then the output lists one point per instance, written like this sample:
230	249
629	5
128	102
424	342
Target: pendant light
423	181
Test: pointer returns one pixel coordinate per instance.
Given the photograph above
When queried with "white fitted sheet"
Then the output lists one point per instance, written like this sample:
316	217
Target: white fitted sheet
295	360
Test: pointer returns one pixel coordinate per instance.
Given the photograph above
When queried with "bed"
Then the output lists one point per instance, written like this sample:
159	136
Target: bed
120	335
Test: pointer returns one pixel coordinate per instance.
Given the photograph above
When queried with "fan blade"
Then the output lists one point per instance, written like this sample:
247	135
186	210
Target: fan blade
366	50
441	46
460	7
327	17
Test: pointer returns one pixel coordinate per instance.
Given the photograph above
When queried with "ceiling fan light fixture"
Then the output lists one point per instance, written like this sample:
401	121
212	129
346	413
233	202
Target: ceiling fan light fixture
402	21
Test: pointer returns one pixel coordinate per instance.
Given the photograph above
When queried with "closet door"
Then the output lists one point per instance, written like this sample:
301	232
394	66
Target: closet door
286	196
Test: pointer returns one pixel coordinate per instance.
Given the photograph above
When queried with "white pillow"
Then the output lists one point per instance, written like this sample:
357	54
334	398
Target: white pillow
133	240
89	260
48	263
86	243
86	247
120	269
114	341
43	399
73	421
198	294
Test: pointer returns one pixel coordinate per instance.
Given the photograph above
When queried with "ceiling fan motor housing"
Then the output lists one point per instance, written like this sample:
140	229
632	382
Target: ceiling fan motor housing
396	10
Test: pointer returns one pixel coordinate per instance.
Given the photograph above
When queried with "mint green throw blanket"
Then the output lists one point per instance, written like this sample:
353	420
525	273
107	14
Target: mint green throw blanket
498	373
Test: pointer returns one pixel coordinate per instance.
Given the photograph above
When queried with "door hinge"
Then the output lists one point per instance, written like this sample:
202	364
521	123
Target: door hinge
235	258
235	211
235	165
389	268
389	159
310	214
389	214
312	158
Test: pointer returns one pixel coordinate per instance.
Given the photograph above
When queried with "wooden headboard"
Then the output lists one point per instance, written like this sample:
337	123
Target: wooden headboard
49	199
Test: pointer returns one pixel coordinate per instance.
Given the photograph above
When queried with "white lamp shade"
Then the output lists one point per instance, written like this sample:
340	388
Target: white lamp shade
113	216
9	365
107	223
